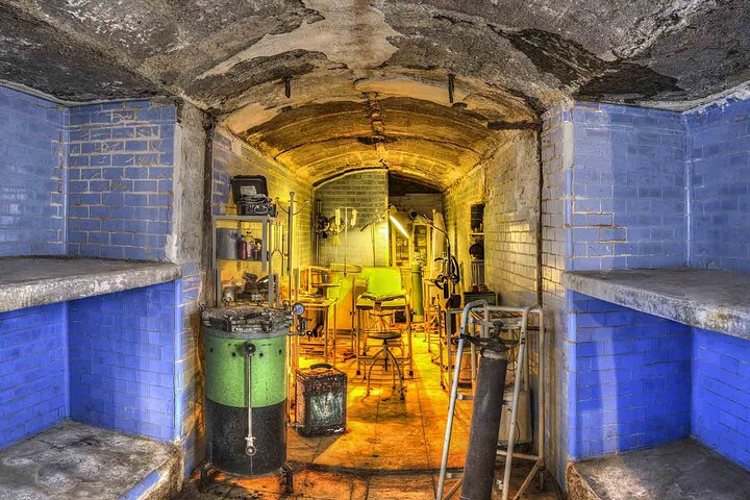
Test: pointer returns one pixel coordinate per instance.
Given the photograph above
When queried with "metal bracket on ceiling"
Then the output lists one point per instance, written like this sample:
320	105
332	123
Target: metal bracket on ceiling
288	86
376	123
451	86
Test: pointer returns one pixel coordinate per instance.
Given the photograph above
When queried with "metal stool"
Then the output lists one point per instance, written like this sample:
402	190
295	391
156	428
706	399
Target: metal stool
385	336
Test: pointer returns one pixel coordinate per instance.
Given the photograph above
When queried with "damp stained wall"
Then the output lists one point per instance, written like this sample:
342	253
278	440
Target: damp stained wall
507	182
231	156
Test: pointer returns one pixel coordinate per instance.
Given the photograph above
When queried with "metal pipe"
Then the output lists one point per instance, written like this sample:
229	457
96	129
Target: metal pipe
524	456
541	396
514	405
449	424
290	247
454	392
453	489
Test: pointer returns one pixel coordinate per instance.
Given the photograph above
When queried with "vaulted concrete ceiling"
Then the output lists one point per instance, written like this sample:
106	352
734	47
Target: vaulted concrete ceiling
417	139
511	60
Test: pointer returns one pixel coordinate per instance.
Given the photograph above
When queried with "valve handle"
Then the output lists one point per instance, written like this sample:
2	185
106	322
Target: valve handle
250	449
249	349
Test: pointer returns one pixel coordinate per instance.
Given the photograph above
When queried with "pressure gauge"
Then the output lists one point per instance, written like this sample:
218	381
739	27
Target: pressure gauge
298	309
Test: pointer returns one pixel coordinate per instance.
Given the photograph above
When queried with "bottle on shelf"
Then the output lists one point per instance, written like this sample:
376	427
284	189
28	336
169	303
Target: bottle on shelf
256	249
242	248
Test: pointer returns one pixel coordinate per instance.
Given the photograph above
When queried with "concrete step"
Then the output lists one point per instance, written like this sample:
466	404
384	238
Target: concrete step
77	461
684	470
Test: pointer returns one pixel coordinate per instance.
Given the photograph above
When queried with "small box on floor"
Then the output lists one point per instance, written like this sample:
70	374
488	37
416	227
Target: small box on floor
321	400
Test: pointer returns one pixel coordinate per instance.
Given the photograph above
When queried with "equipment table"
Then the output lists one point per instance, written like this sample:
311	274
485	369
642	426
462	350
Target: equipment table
324	305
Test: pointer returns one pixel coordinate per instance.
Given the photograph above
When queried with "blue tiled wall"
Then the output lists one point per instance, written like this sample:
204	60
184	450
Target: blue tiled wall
721	394
32	194
720	185
93	180
628	188
644	188
632	379
97	180
120	159
33	371
122	358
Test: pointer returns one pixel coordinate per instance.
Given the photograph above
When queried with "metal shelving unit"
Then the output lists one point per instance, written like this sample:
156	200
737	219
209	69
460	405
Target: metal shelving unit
272	243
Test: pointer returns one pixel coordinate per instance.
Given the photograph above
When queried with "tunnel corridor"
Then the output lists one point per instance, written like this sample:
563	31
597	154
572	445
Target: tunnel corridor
321	191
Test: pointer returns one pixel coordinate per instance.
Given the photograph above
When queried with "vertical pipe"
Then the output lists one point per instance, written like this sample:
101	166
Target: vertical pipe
479	473
290	248
514	405
449	424
264	244
541	386
512	423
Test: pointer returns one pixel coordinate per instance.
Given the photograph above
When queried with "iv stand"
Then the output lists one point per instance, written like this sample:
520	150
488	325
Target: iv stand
347	224
291	214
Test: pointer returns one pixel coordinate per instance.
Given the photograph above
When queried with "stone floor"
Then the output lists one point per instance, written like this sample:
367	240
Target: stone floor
391	450
385	432
76	461
685	470
327	485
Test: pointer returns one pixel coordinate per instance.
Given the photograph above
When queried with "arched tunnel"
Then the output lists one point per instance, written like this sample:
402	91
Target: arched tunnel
374	249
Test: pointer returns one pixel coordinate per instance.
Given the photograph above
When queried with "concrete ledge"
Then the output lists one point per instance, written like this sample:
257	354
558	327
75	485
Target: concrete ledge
685	470
73	461
714	300
35	281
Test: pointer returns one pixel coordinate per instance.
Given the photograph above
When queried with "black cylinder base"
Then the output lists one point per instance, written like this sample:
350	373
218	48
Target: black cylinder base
485	426
226	430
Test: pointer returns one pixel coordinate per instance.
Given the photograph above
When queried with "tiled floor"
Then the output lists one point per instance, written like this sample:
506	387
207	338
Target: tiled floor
391	450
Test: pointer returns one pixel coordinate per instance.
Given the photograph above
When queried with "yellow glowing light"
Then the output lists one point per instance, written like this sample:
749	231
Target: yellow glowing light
398	226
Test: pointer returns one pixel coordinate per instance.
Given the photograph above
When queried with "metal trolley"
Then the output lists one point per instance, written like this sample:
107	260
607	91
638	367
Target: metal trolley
510	324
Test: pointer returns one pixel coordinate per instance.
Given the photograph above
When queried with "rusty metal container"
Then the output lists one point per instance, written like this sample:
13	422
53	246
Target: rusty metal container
321	400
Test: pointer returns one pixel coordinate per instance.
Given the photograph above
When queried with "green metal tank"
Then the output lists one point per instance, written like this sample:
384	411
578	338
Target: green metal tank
246	388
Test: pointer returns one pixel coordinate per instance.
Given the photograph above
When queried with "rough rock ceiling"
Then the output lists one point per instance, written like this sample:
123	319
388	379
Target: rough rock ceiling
226	53
511	60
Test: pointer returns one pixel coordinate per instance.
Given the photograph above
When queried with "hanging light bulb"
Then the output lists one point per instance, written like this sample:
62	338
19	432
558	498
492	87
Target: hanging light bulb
353	222
338	216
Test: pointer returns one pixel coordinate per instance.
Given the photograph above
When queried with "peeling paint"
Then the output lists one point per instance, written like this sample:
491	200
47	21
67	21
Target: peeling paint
351	32
224	54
